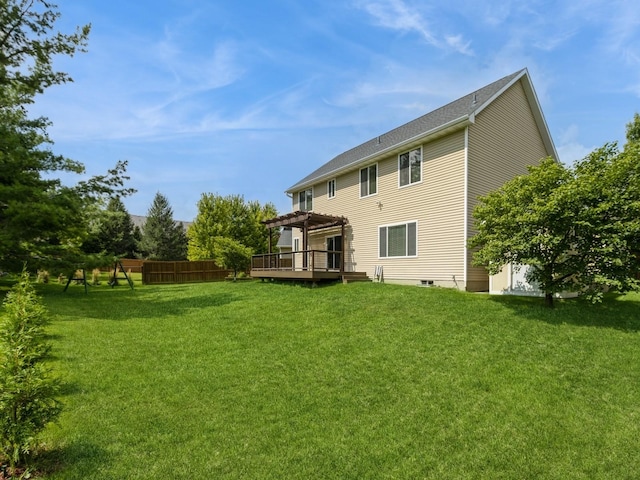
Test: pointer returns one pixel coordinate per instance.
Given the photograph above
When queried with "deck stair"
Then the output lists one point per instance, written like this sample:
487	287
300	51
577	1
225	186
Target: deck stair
355	277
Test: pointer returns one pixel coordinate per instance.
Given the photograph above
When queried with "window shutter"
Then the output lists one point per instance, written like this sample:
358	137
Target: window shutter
412	239
383	241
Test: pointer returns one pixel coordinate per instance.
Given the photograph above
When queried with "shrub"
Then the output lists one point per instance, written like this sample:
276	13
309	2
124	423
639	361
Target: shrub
95	276
27	397
79	276
43	276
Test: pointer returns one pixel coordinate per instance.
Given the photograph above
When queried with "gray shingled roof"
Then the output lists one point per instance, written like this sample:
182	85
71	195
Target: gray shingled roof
464	106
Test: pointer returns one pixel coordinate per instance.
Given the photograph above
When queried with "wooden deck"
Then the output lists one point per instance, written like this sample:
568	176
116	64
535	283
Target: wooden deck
302	275
308	265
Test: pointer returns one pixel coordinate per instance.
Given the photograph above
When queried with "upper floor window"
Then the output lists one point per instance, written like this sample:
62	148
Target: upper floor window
305	200
369	180
399	240
410	167
331	188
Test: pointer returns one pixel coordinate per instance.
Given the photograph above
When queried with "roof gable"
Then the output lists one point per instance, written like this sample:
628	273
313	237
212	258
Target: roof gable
454	115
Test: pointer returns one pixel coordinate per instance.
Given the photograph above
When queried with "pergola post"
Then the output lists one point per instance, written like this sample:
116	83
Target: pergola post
344	242
269	257
305	244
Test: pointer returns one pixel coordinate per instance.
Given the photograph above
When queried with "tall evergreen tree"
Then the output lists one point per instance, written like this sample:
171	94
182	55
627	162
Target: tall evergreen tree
162	237
113	232
40	219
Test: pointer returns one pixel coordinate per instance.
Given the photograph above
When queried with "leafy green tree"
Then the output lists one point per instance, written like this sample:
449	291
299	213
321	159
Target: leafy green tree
633	130
162	237
228	217
113	232
577	228
41	220
28	394
230	254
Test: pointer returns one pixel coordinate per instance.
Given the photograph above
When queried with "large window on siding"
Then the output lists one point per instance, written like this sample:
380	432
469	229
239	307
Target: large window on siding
369	180
400	240
305	200
410	167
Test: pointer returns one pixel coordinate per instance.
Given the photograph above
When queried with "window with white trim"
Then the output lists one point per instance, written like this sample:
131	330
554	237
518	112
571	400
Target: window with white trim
410	167
331	188
305	200
369	180
399	240
296	244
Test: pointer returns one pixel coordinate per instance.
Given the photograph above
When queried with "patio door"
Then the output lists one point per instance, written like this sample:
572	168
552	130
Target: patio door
334	257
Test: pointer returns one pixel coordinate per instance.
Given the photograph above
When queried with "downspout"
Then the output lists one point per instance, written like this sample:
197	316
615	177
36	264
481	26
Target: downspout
466	206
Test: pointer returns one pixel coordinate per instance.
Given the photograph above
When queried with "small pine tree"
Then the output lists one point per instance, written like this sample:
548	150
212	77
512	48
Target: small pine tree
27	397
162	237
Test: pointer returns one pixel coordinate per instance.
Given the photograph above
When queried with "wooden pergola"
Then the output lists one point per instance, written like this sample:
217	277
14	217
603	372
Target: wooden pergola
270	266
305	221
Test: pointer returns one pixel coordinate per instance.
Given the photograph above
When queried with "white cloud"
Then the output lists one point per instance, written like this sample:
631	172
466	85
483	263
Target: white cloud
457	43
570	149
550	42
397	15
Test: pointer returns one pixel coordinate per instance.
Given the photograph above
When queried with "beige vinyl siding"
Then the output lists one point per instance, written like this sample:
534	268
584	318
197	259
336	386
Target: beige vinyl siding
501	281
503	140
436	204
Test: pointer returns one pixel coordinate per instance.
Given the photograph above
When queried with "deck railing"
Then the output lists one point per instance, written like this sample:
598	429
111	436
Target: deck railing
306	260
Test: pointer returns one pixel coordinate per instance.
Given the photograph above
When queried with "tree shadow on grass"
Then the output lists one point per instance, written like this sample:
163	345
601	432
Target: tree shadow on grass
77	459
614	312
108	304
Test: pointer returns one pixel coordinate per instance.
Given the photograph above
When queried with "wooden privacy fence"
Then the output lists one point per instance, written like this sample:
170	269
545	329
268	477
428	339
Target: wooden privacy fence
129	264
182	272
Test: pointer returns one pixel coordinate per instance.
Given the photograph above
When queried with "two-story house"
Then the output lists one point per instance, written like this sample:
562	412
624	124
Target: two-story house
401	204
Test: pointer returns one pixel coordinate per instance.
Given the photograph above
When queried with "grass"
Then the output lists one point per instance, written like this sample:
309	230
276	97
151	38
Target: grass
271	381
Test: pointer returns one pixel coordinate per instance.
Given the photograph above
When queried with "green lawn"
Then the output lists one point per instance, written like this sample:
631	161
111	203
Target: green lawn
258	381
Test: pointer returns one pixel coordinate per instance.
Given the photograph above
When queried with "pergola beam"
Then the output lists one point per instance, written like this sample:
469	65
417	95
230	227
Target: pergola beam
312	220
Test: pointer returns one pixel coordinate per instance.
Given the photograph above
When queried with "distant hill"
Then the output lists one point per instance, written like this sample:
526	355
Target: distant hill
140	220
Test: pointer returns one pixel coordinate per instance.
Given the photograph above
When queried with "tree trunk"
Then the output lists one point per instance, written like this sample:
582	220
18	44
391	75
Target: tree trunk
548	299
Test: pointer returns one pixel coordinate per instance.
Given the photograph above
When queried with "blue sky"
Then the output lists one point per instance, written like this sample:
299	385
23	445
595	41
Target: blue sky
247	97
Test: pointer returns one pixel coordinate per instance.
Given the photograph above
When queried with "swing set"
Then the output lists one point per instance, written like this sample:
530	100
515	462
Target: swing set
113	280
